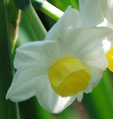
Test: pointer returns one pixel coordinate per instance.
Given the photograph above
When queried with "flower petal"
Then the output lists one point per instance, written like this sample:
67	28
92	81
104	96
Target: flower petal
24	82
108	9
33	53
84	40
97	63
96	78
52	102
93	54
69	21
79	96
91	12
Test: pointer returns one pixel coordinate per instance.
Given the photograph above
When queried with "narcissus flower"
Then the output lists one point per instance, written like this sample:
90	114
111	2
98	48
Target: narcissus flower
98	13
64	66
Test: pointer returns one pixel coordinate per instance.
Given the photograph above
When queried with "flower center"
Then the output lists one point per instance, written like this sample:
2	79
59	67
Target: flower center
69	76
109	56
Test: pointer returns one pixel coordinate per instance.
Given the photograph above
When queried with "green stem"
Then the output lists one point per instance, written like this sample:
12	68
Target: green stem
34	20
18	111
49	9
7	108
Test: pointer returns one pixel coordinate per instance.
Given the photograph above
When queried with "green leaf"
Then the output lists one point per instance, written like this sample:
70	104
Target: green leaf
35	22
7	108
12	17
31	109
26	32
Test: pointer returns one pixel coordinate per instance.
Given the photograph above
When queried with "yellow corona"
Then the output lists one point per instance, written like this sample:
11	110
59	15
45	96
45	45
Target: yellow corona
69	76
109	56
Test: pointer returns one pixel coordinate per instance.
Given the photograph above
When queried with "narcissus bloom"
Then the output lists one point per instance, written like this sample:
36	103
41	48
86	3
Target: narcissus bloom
98	13
64	66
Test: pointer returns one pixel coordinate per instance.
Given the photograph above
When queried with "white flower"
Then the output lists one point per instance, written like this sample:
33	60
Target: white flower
99	13
95	12
69	62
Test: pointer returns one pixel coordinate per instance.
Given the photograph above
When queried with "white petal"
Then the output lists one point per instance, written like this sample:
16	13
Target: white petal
108	9
24	82
107	44
95	79
60	31
79	96
91	12
33	53
92	50
104	23
95	57
52	102
69	21
82	41
96	61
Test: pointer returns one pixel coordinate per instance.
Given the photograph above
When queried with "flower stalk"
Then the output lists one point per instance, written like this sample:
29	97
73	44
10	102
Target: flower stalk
48	9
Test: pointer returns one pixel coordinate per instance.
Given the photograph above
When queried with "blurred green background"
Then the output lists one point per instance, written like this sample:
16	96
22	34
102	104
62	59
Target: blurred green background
96	105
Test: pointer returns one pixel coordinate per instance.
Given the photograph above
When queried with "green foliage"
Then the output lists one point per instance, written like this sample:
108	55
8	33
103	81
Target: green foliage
31	109
7	108
12	17
21	4
26	32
